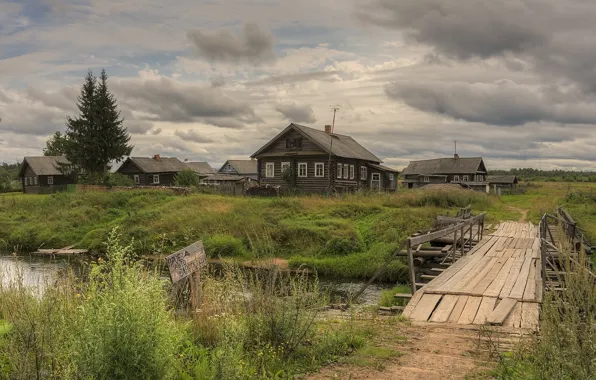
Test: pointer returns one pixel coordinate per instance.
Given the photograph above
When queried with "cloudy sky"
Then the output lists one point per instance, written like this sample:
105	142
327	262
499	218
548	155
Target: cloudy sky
513	81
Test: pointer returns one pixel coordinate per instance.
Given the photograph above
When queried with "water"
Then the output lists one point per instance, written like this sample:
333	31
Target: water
39	272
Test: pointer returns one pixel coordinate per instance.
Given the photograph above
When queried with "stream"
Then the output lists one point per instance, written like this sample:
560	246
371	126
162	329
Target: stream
39	272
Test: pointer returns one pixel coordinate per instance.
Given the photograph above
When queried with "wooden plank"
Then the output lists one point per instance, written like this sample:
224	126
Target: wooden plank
530	290
413	302
529	315
486	308
517	291
425	307
501	312
479	275
495	287
458	309
469	312
489	278
514	318
512	277
443	311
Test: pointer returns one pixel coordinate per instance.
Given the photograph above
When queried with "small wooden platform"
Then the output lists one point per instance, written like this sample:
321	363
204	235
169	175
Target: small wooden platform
498	282
61	252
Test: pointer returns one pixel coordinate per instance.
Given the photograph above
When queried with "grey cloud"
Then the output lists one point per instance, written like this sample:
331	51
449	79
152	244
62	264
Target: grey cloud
168	100
327	76
503	103
230	123
193	135
218	81
252	45
296	112
138	126
64	99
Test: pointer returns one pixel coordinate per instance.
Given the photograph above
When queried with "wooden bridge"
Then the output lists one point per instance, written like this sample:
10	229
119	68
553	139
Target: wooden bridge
499	281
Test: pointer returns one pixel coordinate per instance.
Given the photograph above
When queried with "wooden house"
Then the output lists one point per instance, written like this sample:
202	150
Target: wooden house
315	161
469	172
502	182
42	175
243	168
203	169
152	171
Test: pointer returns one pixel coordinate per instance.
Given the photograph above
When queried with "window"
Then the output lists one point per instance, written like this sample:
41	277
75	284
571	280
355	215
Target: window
456	178
26	181
375	181
269	170
426	179
465	178
293	143
479	178
339	170
319	169
302	169
156	179
346	173
391	177
137	179
35	181
363	173
284	166
352	170
50	180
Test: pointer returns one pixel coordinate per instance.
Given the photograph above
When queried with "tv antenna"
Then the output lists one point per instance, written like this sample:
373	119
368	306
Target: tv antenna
334	108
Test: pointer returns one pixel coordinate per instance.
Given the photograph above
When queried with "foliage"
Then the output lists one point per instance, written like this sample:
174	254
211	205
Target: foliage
186	178
529	174
56	145
223	245
388	296
118	179
97	136
9	178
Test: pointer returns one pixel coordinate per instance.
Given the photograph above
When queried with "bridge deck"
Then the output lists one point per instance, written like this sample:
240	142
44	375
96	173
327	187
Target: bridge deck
498	282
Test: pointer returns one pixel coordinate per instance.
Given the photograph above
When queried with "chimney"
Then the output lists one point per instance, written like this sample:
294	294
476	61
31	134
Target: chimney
186	160
328	129
455	156
157	157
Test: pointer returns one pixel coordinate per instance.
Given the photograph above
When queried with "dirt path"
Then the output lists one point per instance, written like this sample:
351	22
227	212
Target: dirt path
427	352
523	212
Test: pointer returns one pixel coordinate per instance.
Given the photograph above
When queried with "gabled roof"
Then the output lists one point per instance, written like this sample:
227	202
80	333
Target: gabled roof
242	166
448	165
200	167
343	146
509	179
383	168
163	165
45	165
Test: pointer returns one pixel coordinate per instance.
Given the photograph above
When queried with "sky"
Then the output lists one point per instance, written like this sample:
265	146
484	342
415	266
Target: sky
513	81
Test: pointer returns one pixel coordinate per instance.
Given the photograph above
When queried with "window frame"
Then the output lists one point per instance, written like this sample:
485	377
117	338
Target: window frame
137	179
346	171
456	178
305	166
391	177
479	178
465	178
322	166
35	181
363	173
50	180
340	167
155	176
352	171
269	165
426	179
26	181
285	165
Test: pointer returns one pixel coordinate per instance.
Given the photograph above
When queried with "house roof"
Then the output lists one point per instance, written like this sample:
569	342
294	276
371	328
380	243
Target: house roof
225	177
510	179
45	165
243	166
200	167
448	165
383	168
343	146
163	165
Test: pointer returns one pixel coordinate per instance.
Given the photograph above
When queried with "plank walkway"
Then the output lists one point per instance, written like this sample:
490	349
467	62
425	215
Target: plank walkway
498	282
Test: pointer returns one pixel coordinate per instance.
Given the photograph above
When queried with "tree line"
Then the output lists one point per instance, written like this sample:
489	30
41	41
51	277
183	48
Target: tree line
529	174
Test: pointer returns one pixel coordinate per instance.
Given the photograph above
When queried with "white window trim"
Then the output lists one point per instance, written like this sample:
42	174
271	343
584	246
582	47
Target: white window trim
352	171
137	179
372	179
391	176
26	181
465	178
363	173
339	170
156	177
35	180
322	166
284	166
50	180
426	178
346	172
301	165
479	178
456	178
268	166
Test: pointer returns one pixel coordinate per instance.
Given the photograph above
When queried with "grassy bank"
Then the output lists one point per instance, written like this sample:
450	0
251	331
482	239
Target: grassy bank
346	236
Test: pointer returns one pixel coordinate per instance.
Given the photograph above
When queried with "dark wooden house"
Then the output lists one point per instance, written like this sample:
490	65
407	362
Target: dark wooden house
314	161
502	182
469	172
152	171
242	168
203	169
42	175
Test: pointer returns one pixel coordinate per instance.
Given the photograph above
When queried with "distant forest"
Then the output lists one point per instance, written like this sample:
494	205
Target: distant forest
9	177
528	174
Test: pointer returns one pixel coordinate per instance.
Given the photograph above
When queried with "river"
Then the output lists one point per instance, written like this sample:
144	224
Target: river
38	272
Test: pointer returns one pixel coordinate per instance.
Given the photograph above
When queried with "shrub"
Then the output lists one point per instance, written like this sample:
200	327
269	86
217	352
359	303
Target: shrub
187	178
118	179
224	245
342	245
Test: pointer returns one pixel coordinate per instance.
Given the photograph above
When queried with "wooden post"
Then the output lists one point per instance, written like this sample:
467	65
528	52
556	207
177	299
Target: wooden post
454	245
463	241
471	231
411	265
543	228
195	291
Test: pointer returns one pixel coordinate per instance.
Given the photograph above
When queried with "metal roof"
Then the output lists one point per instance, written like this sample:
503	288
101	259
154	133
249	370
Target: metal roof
509	179
162	165
243	166
45	165
343	146
200	167
449	165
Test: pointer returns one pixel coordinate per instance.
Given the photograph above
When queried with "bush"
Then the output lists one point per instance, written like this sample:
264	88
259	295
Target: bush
186	178
224	245
118	179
